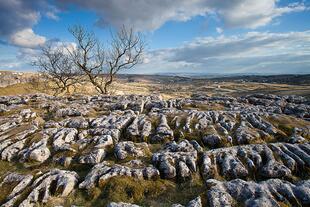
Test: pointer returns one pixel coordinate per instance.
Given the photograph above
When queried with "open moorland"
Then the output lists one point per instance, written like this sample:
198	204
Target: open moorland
157	141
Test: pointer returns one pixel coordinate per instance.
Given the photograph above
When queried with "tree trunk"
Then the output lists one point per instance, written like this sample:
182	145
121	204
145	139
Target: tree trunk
68	90
107	84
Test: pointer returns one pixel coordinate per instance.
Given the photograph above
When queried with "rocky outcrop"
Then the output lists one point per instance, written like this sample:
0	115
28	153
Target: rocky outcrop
124	149
163	131
63	139
112	124
27	114
37	151
98	152
53	183
19	182
140	128
250	151
10	147
176	160
76	111
273	192
121	204
104	171
256	161
193	203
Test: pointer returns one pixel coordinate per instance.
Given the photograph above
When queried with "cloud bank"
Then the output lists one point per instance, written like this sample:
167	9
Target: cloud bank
150	14
17	17
260	52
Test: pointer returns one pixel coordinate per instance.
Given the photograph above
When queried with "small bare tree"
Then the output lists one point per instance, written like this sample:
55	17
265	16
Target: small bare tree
89	56
126	51
101	64
56	67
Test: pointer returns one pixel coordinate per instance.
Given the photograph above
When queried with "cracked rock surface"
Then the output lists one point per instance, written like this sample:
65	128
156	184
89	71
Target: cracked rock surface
79	150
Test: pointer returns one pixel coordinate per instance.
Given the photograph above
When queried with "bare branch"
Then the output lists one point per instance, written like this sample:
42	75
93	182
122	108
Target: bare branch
56	66
126	51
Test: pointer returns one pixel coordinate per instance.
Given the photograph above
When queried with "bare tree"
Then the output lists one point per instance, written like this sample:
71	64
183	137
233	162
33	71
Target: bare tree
101	64
57	68
126	51
89	56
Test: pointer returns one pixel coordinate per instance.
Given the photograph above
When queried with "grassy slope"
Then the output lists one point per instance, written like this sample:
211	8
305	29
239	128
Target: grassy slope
17	89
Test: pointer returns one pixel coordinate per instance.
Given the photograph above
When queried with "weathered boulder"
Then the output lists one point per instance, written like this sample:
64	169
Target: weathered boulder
10	148
168	160
121	204
266	193
195	203
38	152
53	183
76	122
27	114
63	138
212	140
140	128
269	161
20	182
74	111
98	152
93	157
124	149
104	171
163	131
64	182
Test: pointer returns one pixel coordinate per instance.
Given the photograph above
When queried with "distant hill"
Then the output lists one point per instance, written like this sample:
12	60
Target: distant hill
282	79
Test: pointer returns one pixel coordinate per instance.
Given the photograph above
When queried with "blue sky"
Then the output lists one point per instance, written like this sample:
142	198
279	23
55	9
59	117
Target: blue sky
198	36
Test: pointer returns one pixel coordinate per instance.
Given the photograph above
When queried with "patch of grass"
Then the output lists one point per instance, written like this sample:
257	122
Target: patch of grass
284	204
146	192
17	89
5	190
117	189
155	147
181	193
287	129
287	123
6	167
128	189
34	138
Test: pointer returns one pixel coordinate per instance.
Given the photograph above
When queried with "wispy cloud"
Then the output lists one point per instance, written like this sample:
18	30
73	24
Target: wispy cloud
254	51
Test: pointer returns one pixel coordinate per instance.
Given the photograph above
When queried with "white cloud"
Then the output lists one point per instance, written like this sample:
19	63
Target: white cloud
219	30
65	47
25	56
252	52
52	15
150	14
27	38
9	64
17	17
251	14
